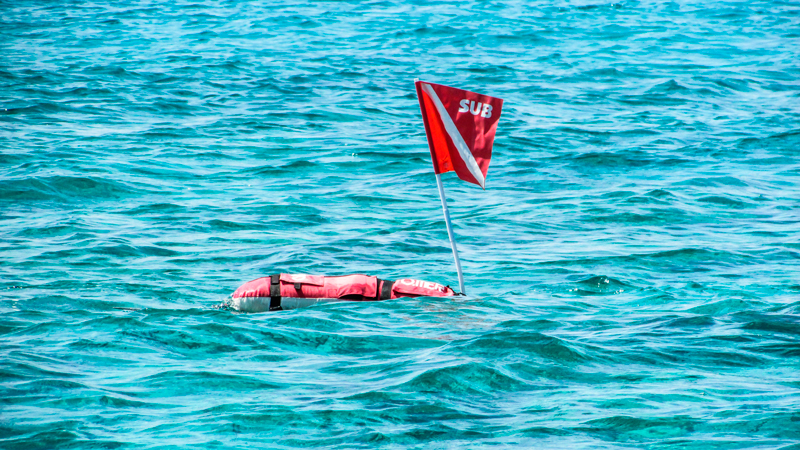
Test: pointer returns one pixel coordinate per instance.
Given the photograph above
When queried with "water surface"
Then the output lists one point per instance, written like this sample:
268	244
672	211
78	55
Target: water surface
632	266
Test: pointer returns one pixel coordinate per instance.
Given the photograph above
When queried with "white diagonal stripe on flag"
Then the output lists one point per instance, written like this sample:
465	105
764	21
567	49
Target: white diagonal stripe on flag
452	130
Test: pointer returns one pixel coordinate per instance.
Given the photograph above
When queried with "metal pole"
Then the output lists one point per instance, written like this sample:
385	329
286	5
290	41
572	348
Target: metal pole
450	232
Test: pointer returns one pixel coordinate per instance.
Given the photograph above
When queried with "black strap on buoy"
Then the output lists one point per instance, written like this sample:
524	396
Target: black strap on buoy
386	290
275	292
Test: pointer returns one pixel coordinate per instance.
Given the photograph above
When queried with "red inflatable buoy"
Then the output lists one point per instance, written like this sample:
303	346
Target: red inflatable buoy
289	291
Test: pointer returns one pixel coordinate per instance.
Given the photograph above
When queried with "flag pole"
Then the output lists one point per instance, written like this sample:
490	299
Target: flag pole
450	232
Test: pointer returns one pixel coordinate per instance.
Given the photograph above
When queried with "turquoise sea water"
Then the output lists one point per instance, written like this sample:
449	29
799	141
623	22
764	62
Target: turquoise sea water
632	266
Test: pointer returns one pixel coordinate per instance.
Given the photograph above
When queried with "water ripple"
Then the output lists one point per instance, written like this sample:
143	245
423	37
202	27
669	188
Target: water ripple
631	266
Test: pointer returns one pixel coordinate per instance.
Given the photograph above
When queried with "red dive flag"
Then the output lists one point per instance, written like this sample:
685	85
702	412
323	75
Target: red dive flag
460	126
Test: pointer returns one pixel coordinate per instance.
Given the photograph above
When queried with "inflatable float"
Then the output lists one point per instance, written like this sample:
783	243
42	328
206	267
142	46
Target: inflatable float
290	291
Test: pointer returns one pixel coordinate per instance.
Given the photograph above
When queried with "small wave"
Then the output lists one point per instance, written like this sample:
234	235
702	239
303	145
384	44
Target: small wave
227	225
48	386
727	306
782	351
532	343
624	428
600	284
318	324
177	342
651	99
21	371
156	208
39	108
56	437
108	401
544	431
670	86
782	324
660	193
63	189
530	325
113	70
470	378
185	382
126	251
700	321
658	218
608	72
786	142
734	84
614	161
725	201
712	181
596	6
